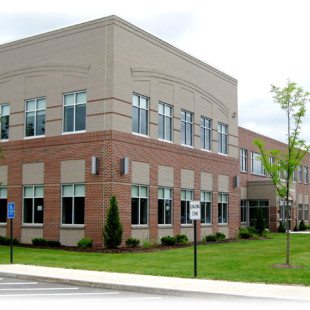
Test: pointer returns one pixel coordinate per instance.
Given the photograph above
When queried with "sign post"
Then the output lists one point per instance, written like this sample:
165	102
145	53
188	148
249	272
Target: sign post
11	215
195	214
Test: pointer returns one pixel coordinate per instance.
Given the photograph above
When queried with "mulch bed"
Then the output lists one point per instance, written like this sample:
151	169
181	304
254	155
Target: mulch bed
286	266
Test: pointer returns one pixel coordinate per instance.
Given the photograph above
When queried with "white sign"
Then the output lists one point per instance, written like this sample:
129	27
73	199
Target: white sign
194	210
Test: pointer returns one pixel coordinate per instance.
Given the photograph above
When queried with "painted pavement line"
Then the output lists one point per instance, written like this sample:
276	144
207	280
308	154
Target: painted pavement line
18	283
57	294
39	289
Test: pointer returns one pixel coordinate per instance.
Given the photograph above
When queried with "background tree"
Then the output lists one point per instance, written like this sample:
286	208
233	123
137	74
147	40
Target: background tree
113	230
278	163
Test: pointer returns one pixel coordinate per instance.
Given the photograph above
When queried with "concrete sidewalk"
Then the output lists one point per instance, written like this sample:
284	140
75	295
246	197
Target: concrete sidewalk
155	284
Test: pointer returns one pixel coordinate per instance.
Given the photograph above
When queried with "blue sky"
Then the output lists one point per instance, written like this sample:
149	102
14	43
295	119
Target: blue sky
259	42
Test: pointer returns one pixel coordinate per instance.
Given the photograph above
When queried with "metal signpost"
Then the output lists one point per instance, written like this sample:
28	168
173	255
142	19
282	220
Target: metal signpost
195	214
11	215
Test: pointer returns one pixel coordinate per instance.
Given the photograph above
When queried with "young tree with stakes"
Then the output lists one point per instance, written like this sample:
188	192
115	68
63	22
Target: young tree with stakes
278	163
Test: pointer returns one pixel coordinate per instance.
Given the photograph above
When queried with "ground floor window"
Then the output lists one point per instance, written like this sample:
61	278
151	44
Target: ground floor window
164	205
205	198
33	202
139	205
3	204
73	203
306	212
186	197
300	212
244	213
223	208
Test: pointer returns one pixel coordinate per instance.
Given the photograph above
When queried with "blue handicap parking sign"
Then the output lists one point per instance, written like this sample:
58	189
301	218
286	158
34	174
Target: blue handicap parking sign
11	210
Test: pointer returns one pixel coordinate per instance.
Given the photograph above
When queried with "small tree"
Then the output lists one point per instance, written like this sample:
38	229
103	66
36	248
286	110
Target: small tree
278	163
113	230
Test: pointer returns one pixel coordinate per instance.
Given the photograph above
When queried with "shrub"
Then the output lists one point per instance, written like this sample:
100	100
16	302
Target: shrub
85	242
220	236
281	228
168	240
252	230
302	226
210	238
53	243
39	241
181	239
132	242
113	230
245	233
260	222
148	244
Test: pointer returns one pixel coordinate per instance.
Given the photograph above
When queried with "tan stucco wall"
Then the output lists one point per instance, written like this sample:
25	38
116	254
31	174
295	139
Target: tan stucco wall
71	236
29	233
33	173
141	233
165	176
3	175
187	178
140	173
206	181
223	183
72	171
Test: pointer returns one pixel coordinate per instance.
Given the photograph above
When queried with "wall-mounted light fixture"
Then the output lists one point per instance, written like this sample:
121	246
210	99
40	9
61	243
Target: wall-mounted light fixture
94	165
125	165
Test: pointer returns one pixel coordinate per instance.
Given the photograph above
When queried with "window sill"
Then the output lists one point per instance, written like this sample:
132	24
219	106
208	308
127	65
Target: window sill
259	175
223	154
245	172
165	226
223	225
140	135
186	225
189	146
72	226
34	137
29	225
167	141
206	224
73	132
205	150
4	140
3	224
140	226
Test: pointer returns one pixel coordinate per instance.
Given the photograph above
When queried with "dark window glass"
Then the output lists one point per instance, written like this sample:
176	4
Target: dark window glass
161	211
183	212
5	127
134	211
30	119
38	210
80	117
144	121
183	133
161	127
28	210
135	119
40	129
67	205
79	203
3	210
143	211
68	119
168	211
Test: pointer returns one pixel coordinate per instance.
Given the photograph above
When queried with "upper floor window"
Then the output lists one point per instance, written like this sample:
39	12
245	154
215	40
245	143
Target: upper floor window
74	111
243	212
139	205
222	208
33	204
165	121
73	203
3	204
164	205
257	166
306	175
243	160
205	133
222	138
4	121
140	117
205	201
186	198
35	117
300	173
187	128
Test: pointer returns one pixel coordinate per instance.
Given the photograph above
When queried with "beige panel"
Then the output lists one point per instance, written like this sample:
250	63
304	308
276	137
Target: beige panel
29	233
262	190
3	175
244	192
165	176
166	92
206	181
142	87
143	234
3	230
189	232
33	173
121	123
71	236
300	198
163	232
205	231
73	171
306	199
186	97
224	230
140	173
35	86
187	179
223	183
73	83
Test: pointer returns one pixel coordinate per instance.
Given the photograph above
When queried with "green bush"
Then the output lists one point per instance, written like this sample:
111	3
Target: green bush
148	244
302	226
260	222
220	236
39	241
210	238
245	233
281	228
168	240
113	230
265	233
53	243
85	242
7	241
181	239
132	242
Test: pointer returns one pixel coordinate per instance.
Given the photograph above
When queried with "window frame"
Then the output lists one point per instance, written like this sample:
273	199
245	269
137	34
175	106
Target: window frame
222	147
243	211
221	205
75	93
186	125
306	174
300	174
188	221
170	117
171	206
243	160
139	197
263	172
33	197
139	115
203	200
5	115
207	133
35	135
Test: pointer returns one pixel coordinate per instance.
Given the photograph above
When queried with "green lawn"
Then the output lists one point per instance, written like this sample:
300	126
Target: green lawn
246	260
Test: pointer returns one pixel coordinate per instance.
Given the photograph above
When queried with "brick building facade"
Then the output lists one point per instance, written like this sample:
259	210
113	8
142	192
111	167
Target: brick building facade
104	108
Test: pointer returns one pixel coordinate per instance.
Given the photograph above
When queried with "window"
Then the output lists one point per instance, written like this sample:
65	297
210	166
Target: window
306	212
186	128
186	197
74	111
73	203
4	121
139	205
243	160
3	204
257	166
222	138
300	212
33	204
244	217
306	175
205	133
300	174
164	206
222	208
205	198
140	117
35	117
164	121
294	176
